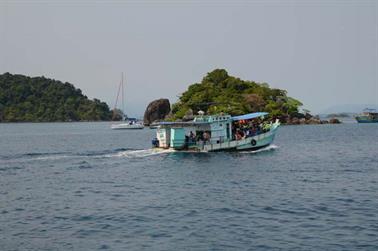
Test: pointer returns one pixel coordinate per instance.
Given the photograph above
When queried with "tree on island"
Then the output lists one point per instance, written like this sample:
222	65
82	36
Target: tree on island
219	92
39	99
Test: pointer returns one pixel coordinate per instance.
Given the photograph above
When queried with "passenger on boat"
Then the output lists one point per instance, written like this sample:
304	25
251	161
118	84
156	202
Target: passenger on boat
192	136
189	139
206	137
253	131
250	132
239	134
199	136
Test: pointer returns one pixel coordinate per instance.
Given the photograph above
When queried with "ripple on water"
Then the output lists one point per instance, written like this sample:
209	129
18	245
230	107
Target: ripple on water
107	190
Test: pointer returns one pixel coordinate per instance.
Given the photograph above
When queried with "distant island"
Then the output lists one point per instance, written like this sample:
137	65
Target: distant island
220	92
350	109
39	99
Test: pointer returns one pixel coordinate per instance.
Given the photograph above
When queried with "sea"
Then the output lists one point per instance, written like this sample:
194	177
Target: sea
83	186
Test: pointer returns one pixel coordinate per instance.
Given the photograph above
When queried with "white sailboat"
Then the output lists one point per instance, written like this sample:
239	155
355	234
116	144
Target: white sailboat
126	123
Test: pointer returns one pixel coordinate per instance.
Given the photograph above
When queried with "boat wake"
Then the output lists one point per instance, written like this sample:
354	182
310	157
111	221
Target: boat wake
139	153
56	156
116	153
265	149
157	151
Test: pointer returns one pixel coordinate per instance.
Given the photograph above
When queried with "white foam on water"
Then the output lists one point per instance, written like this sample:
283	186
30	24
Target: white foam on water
265	149
127	153
156	151
53	157
139	153
33	158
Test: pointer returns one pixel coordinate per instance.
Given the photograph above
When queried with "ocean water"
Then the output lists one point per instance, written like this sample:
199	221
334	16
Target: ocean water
82	186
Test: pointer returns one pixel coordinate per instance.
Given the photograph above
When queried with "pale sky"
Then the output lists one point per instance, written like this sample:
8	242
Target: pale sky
323	53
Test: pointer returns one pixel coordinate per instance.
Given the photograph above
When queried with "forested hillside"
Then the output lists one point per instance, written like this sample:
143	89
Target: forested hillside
39	99
219	92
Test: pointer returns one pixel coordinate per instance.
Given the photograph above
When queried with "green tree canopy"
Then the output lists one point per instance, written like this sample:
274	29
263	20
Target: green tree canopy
26	99
219	92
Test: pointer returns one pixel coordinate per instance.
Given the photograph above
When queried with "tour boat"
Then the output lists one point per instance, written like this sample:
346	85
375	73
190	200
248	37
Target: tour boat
217	133
125	123
368	116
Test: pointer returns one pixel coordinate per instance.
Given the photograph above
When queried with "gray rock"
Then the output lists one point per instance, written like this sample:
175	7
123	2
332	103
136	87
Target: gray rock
294	121
334	121
157	110
314	121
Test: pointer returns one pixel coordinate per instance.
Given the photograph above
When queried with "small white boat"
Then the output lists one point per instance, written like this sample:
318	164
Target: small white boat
128	124
217	133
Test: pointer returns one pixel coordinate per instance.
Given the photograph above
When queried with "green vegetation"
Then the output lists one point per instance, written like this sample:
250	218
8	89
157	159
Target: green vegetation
219	92
25	99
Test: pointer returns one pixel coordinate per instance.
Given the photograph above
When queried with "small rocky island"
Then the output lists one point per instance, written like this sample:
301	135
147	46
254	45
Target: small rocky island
40	99
157	110
220	92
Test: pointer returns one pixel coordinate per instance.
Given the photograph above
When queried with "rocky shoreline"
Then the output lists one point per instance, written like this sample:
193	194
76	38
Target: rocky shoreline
313	120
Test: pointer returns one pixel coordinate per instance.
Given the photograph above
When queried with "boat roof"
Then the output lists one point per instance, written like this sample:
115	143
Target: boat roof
249	116
182	123
206	122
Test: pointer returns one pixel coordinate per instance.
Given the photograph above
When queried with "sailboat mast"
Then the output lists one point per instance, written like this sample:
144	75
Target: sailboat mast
123	99
115	105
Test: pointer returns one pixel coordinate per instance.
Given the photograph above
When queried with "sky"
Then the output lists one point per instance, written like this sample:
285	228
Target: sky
324	53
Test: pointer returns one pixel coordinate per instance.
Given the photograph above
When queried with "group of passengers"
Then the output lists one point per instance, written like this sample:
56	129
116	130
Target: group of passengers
241	129
244	129
200	137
